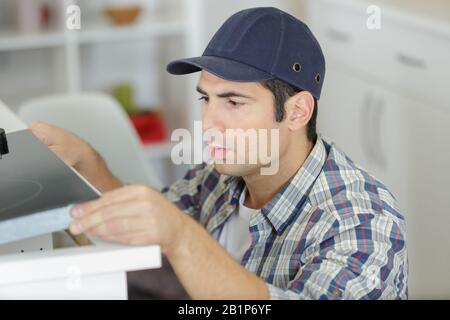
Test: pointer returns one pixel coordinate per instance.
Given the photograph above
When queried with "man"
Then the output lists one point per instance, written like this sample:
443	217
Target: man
319	228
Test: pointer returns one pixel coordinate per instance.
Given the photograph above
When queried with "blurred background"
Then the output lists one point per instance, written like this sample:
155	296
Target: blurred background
384	102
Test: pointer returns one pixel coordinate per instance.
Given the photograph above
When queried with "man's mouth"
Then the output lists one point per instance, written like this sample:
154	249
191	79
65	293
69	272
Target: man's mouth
217	152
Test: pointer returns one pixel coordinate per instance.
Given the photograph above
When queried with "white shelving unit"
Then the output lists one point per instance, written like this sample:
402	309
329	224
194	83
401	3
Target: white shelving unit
101	55
11	40
59	60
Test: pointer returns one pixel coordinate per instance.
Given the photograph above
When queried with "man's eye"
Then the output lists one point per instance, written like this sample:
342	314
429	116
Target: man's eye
235	104
205	99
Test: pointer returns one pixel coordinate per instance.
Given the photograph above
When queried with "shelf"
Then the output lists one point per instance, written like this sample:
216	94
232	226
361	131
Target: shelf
100	32
144	28
13	40
75	60
158	150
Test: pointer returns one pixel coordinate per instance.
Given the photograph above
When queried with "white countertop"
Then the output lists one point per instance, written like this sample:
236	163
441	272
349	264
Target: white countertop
100	258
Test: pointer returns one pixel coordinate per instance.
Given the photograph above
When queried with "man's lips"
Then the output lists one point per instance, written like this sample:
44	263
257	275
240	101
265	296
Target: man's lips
217	153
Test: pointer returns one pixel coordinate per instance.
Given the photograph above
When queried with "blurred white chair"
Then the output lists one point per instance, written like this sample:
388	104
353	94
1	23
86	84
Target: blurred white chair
102	122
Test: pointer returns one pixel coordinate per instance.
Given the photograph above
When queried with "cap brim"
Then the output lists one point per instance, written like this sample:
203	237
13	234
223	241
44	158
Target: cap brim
220	67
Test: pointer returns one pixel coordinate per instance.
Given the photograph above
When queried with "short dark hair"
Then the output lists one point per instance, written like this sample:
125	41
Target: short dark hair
282	91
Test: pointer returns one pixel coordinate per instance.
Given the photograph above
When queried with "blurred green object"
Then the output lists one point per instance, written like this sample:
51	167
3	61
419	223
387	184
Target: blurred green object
125	95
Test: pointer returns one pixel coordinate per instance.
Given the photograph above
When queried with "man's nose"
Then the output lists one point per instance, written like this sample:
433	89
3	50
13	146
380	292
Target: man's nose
212	118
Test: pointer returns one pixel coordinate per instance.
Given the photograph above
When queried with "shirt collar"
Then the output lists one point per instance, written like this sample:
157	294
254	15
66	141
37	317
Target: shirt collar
285	206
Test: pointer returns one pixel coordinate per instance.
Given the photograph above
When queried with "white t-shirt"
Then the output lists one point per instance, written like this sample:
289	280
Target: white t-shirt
235	236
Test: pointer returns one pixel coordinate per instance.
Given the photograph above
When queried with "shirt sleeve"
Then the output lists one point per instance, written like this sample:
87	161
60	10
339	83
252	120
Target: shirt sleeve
185	193
367	261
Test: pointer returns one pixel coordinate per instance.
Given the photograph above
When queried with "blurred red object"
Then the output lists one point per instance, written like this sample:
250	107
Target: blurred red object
150	127
45	15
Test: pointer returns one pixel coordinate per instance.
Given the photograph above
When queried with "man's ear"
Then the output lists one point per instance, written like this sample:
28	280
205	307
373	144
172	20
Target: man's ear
299	110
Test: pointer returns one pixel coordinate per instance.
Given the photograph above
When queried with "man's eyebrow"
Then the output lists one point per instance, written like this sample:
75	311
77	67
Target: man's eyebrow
230	94
227	94
201	91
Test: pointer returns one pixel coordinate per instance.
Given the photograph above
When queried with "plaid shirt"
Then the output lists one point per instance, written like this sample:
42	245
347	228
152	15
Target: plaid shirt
332	232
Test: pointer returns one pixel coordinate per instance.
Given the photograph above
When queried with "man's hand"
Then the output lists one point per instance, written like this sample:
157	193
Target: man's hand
135	215
138	215
76	153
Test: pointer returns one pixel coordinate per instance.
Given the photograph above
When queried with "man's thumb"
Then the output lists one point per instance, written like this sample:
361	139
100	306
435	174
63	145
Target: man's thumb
42	131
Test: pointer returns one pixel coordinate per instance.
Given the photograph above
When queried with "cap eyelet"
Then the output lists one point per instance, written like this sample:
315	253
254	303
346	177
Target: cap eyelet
297	67
317	78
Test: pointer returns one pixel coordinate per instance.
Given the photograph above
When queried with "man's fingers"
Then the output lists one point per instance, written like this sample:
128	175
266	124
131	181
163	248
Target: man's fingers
40	130
47	133
108	198
107	212
121	227
138	238
64	144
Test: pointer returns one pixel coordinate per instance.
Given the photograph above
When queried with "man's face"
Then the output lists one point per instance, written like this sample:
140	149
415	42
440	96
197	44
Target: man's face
236	105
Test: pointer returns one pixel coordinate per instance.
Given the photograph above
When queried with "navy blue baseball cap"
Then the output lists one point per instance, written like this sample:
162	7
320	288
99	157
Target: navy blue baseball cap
261	44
